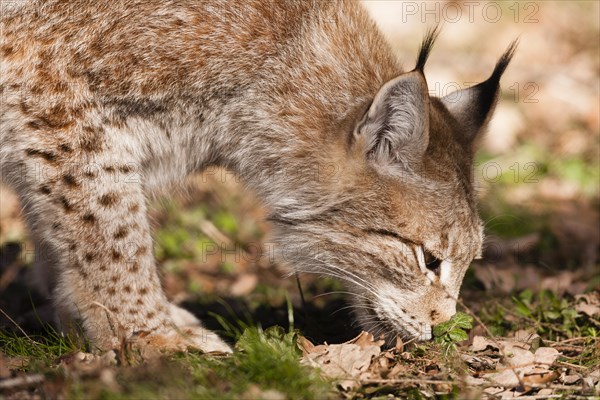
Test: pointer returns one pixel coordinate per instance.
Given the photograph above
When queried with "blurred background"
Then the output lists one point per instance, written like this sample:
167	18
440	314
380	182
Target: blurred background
537	172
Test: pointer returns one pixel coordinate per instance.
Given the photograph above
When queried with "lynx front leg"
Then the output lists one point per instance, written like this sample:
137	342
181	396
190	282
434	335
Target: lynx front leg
94	217
108	278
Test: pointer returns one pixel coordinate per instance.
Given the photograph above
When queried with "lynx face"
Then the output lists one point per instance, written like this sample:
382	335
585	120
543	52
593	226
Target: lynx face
402	251
402	226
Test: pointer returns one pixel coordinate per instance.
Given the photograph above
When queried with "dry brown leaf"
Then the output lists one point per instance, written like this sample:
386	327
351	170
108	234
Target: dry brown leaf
383	363
481	343
397	370
570	379
518	362
590	298
558	283
546	355
593	378
544	392
399	344
494	390
522	367
539	376
479	363
473	381
365	339
506	378
305	345
519	357
588	309
348	362
588	304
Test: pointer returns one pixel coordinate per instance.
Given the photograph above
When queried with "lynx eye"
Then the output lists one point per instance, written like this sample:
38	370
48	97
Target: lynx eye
432	262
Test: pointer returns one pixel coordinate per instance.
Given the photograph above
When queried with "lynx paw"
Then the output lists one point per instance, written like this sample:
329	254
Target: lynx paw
183	339
188	333
181	317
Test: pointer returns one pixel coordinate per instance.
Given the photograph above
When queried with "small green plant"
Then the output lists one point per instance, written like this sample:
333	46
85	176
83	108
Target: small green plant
493	316
42	349
451	332
268	360
552	316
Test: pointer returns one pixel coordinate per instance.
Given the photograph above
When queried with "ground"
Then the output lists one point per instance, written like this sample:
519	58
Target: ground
531	308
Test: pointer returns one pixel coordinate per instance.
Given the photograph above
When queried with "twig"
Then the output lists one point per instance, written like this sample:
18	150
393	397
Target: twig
210	230
490	384
302	300
569	365
575	339
549	386
408	380
17	325
565	347
593	321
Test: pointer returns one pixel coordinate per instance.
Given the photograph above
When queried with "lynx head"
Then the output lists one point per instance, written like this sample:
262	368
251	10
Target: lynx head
400	224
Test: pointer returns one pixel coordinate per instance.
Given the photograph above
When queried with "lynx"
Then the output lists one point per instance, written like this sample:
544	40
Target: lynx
105	103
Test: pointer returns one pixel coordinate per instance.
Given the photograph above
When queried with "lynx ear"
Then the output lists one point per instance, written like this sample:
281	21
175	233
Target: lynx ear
397	123
473	107
396	126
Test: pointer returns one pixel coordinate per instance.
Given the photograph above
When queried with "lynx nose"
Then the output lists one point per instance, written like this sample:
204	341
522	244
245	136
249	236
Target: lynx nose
442	314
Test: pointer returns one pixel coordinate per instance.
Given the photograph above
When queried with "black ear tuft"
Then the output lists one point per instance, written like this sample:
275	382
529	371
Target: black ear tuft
426	46
473	107
489	90
503	62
